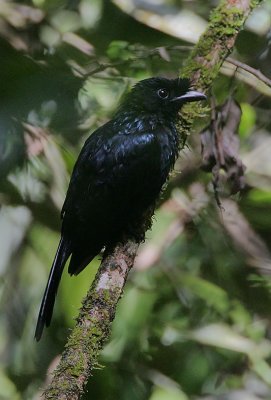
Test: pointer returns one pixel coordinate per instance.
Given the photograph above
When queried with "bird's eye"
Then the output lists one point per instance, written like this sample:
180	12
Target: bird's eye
163	93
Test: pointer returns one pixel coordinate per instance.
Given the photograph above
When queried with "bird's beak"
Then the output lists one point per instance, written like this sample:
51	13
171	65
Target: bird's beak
192	95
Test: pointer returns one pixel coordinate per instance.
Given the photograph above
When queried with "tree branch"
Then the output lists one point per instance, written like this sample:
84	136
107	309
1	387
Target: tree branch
93	325
251	70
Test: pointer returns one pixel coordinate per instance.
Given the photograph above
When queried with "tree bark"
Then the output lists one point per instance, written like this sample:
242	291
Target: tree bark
93	324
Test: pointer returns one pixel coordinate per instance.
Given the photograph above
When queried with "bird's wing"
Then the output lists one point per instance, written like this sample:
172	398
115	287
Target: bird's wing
105	159
106	184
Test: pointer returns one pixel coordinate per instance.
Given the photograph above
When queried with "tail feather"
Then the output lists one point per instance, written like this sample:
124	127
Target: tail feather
48	301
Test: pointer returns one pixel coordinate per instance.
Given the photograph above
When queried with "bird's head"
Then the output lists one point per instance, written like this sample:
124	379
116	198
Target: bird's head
155	95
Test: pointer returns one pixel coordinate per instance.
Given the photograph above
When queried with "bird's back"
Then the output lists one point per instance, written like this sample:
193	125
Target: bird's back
118	175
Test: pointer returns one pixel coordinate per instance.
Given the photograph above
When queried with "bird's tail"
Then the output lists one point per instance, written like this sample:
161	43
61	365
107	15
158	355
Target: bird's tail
48	301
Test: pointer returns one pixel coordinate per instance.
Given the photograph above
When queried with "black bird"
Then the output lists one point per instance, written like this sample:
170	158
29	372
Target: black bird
117	178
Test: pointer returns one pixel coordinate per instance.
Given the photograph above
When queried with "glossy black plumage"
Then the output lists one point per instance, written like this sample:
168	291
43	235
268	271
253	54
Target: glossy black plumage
117	178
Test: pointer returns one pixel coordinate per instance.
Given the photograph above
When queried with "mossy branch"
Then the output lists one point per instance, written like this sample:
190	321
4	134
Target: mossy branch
214	46
93	325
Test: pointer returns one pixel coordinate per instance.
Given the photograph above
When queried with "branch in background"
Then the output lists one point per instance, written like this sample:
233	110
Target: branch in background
251	70
98	309
247	74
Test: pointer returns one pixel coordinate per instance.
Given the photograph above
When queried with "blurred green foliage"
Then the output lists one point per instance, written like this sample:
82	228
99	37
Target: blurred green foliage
194	321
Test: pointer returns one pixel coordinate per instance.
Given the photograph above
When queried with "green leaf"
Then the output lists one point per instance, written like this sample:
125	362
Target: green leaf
119	50
212	294
167	393
248	119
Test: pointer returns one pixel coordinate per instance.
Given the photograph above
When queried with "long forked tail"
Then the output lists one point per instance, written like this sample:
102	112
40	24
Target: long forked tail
48	301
